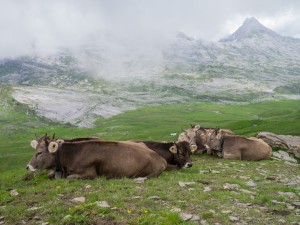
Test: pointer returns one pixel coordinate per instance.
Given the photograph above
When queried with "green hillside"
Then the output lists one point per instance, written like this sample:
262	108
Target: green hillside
42	200
19	124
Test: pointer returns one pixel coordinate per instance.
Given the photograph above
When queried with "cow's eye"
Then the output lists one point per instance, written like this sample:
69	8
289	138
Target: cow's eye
38	153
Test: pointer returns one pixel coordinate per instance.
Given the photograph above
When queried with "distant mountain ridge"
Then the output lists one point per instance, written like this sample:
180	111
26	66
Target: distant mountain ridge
250	27
253	64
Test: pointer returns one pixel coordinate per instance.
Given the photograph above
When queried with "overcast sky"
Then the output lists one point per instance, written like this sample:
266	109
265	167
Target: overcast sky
44	26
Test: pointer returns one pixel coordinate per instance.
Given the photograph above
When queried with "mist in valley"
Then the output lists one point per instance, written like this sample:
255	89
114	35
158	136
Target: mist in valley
98	58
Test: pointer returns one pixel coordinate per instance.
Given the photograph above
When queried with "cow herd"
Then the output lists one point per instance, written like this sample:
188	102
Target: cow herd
225	144
89	158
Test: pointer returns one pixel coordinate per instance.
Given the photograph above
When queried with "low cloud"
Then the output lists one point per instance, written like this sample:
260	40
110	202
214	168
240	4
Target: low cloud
44	27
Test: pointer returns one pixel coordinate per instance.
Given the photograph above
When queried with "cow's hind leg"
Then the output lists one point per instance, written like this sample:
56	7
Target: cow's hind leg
234	155
87	174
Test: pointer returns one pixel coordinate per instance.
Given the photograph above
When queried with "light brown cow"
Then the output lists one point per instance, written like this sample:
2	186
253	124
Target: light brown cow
92	158
241	148
199	137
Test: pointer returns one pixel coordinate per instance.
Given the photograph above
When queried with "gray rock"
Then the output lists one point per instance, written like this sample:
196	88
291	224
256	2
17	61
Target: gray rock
78	200
228	186
297	204
183	184
234	218
186	216
154	197
283	153
290	195
175	210
247	192
35	208
137	197
251	184
195	218
102	204
226	211
284	156
14	193
207	189
277	202
140	180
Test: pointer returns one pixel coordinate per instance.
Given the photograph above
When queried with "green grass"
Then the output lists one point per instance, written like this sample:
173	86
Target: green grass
41	199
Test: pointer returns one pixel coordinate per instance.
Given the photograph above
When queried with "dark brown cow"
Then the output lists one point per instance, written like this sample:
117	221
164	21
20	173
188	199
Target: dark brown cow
93	158
177	154
237	147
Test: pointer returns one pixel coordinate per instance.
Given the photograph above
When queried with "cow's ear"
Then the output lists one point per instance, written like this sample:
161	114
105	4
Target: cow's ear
193	148
53	146
34	143
60	141
173	149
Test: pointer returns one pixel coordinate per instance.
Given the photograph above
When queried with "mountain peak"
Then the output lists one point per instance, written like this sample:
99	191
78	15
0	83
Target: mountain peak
250	27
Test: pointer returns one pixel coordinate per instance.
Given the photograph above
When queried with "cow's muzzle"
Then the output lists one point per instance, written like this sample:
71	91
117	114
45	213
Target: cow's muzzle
30	168
188	164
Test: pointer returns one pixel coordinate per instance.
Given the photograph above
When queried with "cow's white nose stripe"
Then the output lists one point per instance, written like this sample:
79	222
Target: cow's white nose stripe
30	167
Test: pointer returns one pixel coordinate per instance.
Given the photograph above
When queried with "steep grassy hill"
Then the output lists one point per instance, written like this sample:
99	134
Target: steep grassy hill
258	186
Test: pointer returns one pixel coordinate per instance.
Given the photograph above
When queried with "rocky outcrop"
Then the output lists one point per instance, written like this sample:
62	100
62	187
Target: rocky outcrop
288	143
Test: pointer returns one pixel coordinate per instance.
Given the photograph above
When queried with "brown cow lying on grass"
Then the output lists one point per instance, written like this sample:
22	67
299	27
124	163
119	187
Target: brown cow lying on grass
177	154
199	137
241	148
89	159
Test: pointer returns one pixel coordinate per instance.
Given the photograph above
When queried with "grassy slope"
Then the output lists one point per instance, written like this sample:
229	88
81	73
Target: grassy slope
149	123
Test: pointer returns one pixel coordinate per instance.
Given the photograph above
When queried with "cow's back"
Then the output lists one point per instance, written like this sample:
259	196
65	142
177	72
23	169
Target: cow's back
258	150
236	147
113	159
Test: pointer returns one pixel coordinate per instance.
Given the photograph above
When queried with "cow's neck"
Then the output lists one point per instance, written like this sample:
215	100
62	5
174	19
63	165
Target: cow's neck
221	143
58	169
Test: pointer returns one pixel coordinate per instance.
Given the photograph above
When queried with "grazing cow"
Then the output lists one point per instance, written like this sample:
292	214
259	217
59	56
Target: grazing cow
92	158
237	147
177	154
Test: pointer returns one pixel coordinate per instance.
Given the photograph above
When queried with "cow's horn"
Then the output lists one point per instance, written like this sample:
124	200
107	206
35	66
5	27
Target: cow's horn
183	130
36	137
53	136
46	134
34	143
53	146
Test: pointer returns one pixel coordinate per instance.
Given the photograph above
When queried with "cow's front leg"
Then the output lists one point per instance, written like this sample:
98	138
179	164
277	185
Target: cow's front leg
172	167
208	150
74	176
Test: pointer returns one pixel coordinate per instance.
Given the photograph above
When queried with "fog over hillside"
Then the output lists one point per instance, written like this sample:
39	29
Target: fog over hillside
77	62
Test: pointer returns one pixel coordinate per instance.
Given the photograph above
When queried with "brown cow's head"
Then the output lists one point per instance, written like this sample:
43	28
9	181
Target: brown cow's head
215	144
43	157
196	136
181	151
190	137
